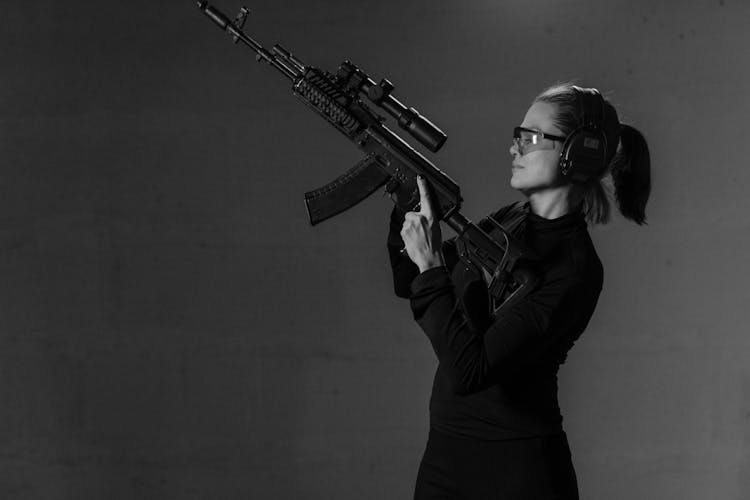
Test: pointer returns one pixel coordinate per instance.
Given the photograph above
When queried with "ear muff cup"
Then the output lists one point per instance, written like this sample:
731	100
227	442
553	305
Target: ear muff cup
584	152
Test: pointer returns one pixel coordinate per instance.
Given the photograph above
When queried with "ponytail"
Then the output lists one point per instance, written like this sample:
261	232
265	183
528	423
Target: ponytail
631	174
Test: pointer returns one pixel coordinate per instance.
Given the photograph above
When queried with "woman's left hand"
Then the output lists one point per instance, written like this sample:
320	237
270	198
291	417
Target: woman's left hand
421	232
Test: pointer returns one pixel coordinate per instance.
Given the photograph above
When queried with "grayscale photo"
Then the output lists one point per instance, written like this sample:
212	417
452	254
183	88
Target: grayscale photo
428	250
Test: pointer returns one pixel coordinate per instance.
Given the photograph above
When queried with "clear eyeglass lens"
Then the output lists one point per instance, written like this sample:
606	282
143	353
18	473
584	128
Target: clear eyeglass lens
529	138
526	140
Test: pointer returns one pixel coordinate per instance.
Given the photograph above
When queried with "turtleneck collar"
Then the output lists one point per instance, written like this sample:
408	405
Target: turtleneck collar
570	221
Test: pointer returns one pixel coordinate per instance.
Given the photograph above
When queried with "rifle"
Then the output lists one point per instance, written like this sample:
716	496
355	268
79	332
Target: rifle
389	161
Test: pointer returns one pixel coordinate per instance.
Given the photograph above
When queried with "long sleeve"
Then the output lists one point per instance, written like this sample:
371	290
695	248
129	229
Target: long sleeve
475	360
496	377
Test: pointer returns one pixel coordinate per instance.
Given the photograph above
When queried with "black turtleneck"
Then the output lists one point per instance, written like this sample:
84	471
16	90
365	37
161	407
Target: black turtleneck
497	374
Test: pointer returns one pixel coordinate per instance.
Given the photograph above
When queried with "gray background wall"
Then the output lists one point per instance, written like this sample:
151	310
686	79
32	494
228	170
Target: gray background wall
172	327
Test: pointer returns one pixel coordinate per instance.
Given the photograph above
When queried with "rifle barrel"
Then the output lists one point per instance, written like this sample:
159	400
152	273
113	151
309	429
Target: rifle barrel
224	23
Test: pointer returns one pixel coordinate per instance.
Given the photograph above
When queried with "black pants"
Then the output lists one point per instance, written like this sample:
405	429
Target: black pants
522	469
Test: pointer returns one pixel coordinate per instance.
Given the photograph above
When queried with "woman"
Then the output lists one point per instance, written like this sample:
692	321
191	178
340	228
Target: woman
495	424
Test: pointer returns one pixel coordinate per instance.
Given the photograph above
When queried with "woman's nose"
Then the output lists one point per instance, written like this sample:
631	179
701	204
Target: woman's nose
514	149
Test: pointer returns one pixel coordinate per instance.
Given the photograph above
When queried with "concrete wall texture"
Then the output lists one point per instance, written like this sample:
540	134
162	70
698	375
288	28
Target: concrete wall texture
172	328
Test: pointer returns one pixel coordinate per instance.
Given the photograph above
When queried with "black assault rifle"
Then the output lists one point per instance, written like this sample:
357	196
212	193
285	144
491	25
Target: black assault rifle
389	160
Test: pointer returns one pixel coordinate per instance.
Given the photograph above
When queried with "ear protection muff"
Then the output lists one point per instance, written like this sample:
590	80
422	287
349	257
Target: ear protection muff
584	152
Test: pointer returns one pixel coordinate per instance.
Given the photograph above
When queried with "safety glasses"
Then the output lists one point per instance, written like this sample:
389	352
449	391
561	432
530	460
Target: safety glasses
527	140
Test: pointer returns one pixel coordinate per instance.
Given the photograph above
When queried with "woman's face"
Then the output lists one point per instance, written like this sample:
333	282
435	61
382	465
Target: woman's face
537	169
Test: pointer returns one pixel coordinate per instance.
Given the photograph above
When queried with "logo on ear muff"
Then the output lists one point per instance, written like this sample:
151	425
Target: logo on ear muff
584	152
591	143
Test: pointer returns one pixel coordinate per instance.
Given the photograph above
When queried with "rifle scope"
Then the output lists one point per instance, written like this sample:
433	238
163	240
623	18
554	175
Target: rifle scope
408	119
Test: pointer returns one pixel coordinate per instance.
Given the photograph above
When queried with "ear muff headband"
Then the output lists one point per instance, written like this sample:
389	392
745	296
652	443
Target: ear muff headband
584	152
